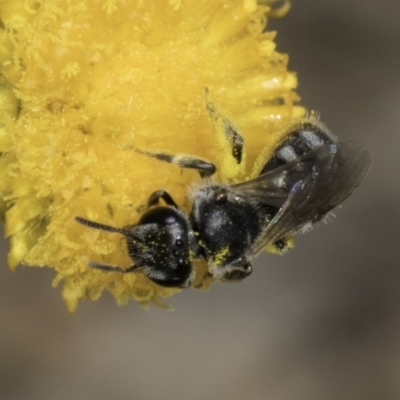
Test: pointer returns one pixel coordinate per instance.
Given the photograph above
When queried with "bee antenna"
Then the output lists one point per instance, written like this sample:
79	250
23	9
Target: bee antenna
102	227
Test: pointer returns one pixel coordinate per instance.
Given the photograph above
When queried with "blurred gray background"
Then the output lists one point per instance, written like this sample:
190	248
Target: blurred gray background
319	323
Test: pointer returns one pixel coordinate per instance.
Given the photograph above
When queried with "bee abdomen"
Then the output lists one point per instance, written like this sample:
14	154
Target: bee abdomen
299	141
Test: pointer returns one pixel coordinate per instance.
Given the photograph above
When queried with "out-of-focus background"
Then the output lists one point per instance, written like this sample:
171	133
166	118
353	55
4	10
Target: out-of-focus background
322	322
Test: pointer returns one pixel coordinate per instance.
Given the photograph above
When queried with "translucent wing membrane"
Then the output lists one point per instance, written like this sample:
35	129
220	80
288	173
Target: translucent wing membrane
314	184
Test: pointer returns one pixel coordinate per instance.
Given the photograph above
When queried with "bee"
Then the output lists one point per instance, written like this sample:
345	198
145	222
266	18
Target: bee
309	173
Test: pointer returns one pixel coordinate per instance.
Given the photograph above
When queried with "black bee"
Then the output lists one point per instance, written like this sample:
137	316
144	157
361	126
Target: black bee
308	174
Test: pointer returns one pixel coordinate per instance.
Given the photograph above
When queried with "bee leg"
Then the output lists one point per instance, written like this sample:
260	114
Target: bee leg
204	168
227	133
161	194
231	132
281	246
112	268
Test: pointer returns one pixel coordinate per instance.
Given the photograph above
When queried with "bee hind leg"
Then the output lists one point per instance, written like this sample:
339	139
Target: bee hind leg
229	137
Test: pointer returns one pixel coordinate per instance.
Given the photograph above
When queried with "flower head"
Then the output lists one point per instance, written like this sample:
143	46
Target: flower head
85	80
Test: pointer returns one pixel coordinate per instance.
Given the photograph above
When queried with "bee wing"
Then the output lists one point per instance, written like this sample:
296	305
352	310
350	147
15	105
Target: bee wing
274	187
271	188
314	184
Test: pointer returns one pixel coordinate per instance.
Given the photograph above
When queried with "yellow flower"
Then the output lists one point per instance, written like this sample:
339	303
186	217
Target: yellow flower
85	80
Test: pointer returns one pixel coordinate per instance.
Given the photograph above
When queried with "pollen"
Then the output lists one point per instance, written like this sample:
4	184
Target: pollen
84	81
70	70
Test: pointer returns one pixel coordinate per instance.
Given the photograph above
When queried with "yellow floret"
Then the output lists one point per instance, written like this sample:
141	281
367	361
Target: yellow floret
85	80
